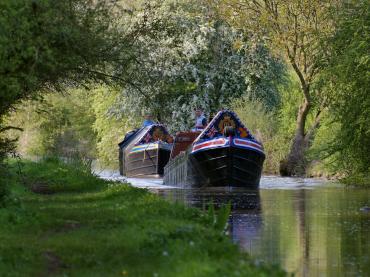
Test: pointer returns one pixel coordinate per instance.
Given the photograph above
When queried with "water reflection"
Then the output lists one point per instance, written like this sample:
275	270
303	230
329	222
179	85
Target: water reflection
310	232
239	199
306	226
245	220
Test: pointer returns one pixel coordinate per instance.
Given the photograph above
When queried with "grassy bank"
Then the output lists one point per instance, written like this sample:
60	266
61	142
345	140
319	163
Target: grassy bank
65	222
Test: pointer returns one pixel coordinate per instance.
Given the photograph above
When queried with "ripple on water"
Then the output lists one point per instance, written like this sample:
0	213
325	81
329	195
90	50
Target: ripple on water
276	182
155	183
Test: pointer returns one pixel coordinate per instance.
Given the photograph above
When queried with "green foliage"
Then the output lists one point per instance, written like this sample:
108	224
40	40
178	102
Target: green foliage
27	117
264	125
294	30
116	231
47	45
51	175
51	44
78	122
59	125
347	83
197	61
3	184
291	97
223	217
110	128
66	126
357	179
323	161
7	147
273	127
219	218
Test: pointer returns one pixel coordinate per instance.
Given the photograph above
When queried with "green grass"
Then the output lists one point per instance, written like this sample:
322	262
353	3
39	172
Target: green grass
110	229
58	176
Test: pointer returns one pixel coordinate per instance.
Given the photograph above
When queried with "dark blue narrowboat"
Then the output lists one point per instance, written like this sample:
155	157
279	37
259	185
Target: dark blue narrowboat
224	154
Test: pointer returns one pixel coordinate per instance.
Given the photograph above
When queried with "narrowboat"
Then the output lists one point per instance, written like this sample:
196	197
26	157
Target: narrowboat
224	154
144	152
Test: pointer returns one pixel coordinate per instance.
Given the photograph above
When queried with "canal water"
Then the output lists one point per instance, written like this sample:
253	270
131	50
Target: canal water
309	227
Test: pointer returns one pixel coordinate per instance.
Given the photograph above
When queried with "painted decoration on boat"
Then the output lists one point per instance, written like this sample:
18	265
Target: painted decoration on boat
224	119
214	143
226	142
249	144
156	133
212	137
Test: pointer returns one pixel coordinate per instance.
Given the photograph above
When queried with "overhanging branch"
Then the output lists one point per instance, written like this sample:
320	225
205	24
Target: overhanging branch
7	128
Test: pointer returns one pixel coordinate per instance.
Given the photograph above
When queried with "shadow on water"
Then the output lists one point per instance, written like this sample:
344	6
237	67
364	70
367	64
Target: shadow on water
307	226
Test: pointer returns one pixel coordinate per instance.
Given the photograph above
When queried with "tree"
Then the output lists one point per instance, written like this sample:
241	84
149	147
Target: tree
60	125
347	83
198	61
50	45
110	128
293	29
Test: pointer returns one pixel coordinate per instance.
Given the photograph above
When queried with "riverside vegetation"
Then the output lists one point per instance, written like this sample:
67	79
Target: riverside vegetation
63	221
76	75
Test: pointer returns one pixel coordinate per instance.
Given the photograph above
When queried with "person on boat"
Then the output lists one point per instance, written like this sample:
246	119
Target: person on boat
200	121
148	120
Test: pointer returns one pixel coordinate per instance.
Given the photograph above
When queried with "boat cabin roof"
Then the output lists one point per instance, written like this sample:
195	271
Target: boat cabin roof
146	135
154	133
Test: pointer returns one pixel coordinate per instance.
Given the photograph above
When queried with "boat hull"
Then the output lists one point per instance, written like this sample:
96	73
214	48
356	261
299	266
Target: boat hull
226	166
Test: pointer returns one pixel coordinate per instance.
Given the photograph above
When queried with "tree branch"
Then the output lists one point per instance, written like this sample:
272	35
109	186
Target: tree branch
305	85
7	128
314	126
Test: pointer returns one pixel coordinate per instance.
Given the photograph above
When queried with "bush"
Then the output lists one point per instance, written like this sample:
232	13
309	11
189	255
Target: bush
3	186
266	126
6	147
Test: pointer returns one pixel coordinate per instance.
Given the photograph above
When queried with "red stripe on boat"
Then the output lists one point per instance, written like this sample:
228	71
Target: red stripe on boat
247	143
217	142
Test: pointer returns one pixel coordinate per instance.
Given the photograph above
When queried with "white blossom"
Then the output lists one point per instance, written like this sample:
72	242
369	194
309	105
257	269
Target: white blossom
195	65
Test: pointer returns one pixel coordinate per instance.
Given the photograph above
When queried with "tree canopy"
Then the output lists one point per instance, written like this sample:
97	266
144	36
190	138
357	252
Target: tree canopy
294	30
347	83
49	44
198	61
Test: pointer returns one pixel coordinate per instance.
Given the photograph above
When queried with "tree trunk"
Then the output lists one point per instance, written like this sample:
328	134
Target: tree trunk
295	163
